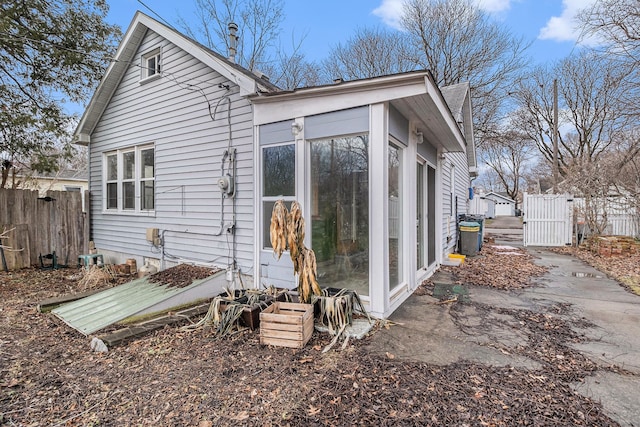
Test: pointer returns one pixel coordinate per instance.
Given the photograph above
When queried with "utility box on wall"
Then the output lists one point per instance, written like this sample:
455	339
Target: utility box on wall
153	236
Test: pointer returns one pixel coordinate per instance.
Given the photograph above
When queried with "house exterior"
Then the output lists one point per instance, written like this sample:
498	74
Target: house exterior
189	152
63	180
481	205
504	205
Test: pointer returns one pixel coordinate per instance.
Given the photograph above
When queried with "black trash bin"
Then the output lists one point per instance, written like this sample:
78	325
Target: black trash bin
469	241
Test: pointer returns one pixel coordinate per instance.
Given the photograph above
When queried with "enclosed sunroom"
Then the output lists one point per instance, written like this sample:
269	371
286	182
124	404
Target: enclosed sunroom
364	159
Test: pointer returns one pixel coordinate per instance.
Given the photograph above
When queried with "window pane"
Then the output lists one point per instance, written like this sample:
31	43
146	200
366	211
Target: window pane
147	199
151	66
129	195
420	216
112	195
112	167
266	223
340	211
147	164
128	165
395	218
279	169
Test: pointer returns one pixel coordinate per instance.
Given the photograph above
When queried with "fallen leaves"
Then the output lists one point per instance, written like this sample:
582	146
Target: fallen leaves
497	268
169	378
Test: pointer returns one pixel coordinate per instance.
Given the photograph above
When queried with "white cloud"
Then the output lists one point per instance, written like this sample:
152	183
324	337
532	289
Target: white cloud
563	28
494	6
390	11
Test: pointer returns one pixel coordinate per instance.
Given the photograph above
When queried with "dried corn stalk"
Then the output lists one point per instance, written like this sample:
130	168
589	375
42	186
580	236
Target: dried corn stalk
287	231
96	276
278	228
307	276
295	234
337	310
222	321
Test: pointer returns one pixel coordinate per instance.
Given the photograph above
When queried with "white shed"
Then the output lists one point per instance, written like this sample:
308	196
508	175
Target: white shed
481	205
505	206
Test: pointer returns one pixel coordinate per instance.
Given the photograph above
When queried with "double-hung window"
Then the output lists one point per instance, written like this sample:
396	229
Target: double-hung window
130	180
150	64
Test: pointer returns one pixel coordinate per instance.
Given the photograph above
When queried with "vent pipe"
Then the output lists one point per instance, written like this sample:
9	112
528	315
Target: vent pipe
233	41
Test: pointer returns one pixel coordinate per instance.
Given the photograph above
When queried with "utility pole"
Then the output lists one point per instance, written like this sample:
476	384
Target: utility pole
555	136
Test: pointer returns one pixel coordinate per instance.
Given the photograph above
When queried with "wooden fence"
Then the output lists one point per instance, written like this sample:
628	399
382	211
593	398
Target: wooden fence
41	225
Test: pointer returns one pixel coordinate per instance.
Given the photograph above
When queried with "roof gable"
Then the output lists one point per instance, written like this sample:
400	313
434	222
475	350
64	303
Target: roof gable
494	196
248	82
458	98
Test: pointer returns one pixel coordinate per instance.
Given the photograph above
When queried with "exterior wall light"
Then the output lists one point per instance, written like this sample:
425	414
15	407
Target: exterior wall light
296	128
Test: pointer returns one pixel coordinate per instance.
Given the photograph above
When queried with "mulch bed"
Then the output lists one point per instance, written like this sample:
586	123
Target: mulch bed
49	377
182	275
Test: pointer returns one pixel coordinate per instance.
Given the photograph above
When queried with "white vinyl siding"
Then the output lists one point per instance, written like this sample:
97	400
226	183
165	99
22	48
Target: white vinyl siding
459	193
189	147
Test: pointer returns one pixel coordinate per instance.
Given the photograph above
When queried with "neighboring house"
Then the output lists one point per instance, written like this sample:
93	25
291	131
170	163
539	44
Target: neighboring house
64	180
189	152
481	205
505	206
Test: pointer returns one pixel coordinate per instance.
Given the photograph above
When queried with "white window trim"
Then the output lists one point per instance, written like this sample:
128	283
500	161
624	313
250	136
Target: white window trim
403	237
265	199
137	211
144	69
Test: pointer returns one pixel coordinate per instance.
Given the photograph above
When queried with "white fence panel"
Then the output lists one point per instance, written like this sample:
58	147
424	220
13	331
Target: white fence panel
547	219
621	218
622	225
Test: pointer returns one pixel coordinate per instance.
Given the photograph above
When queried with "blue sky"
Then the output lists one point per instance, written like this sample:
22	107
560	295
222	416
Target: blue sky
547	23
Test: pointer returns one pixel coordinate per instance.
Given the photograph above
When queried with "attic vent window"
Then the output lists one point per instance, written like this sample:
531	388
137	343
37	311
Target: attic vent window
150	64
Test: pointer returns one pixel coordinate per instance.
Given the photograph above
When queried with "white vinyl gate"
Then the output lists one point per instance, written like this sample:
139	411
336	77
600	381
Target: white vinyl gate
547	219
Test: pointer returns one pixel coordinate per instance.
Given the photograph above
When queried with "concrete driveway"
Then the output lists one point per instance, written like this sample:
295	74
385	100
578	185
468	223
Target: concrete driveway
506	229
488	329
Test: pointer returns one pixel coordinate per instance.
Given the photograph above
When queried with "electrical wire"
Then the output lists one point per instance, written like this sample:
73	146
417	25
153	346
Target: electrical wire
230	153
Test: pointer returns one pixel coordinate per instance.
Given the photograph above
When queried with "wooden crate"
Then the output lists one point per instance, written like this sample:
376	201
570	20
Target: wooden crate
286	324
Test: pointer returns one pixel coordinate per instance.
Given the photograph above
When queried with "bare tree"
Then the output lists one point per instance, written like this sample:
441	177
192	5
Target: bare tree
259	30
616	23
371	52
627	172
591	87
258	23
509	157
458	42
290	70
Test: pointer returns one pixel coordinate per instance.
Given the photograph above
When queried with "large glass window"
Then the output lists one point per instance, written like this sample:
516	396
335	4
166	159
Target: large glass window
395	215
339	180
125	183
420	215
278	181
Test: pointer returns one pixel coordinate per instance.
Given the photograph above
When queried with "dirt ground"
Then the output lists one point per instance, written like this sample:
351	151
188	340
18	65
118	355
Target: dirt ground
48	376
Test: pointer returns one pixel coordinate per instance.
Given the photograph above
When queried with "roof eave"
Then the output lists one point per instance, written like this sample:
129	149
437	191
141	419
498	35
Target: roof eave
125	54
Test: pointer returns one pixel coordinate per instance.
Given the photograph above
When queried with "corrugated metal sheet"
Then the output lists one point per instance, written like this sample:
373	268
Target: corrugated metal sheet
105	308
